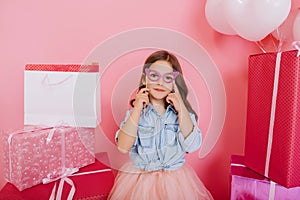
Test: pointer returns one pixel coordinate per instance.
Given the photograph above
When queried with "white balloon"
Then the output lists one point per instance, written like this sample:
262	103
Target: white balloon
285	31
214	13
296	27
255	19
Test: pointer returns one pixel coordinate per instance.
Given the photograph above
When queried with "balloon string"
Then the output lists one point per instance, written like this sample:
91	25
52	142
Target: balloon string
273	41
280	45
258	43
280	39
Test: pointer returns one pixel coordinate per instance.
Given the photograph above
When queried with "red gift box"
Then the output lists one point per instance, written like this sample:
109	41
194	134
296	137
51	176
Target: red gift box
272	145
91	182
247	184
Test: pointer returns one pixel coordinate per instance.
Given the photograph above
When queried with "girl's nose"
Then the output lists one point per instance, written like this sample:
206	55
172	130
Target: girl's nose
160	81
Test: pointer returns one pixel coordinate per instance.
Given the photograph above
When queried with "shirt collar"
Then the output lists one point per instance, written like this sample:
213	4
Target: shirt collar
169	107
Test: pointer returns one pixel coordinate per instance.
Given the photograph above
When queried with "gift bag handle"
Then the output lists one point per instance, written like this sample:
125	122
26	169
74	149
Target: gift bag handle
46	81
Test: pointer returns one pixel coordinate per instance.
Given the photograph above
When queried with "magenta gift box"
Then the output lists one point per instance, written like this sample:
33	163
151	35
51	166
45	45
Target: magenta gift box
37	154
247	184
272	145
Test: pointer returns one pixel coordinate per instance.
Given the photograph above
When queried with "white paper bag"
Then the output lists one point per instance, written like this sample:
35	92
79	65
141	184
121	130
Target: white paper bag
61	94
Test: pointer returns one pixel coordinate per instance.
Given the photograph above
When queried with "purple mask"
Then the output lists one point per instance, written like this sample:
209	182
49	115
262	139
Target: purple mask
154	75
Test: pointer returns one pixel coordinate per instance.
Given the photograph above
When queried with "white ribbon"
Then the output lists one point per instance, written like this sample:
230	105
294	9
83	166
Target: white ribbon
67	172
92	172
272	190
9	154
50	135
70	182
60	189
237	165
64	171
296	45
272	115
63	153
60	125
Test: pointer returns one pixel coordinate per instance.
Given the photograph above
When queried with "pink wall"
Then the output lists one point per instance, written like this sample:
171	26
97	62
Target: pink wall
67	31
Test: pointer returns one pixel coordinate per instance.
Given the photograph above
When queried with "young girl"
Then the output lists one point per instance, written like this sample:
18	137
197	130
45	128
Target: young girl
157	132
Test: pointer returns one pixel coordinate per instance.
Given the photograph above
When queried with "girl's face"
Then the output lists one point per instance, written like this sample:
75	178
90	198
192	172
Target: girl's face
160	79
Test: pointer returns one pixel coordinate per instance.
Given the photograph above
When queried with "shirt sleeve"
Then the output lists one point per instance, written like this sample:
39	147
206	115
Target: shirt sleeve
122	124
194	140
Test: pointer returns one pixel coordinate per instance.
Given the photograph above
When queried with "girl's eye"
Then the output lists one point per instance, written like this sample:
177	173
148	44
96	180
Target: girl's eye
169	78
153	75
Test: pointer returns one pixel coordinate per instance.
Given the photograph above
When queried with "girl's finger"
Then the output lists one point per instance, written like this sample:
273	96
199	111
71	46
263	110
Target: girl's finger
169	100
143	90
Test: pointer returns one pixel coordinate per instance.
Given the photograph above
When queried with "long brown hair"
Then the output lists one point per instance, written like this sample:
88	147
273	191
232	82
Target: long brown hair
179	81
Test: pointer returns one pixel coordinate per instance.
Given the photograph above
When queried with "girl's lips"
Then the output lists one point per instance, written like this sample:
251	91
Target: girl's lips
159	90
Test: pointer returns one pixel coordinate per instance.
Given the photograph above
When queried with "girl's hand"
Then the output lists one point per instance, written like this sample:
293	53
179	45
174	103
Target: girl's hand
184	118
141	98
174	98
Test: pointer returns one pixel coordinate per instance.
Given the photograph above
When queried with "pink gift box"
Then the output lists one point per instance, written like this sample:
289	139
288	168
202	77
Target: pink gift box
44	154
247	184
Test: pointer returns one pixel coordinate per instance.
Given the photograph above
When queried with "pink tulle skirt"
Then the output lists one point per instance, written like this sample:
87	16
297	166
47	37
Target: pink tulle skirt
135	184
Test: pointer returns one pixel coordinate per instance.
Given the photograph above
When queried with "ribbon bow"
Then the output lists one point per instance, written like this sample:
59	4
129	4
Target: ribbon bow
70	182
60	189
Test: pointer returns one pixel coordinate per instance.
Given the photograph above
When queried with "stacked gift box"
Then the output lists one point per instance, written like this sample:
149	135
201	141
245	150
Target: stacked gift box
272	145
247	184
55	151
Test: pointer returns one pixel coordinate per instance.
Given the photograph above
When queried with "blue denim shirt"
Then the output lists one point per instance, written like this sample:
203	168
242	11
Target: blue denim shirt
159	143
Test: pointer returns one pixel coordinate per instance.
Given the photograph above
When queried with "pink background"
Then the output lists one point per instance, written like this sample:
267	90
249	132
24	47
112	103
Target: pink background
67	31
